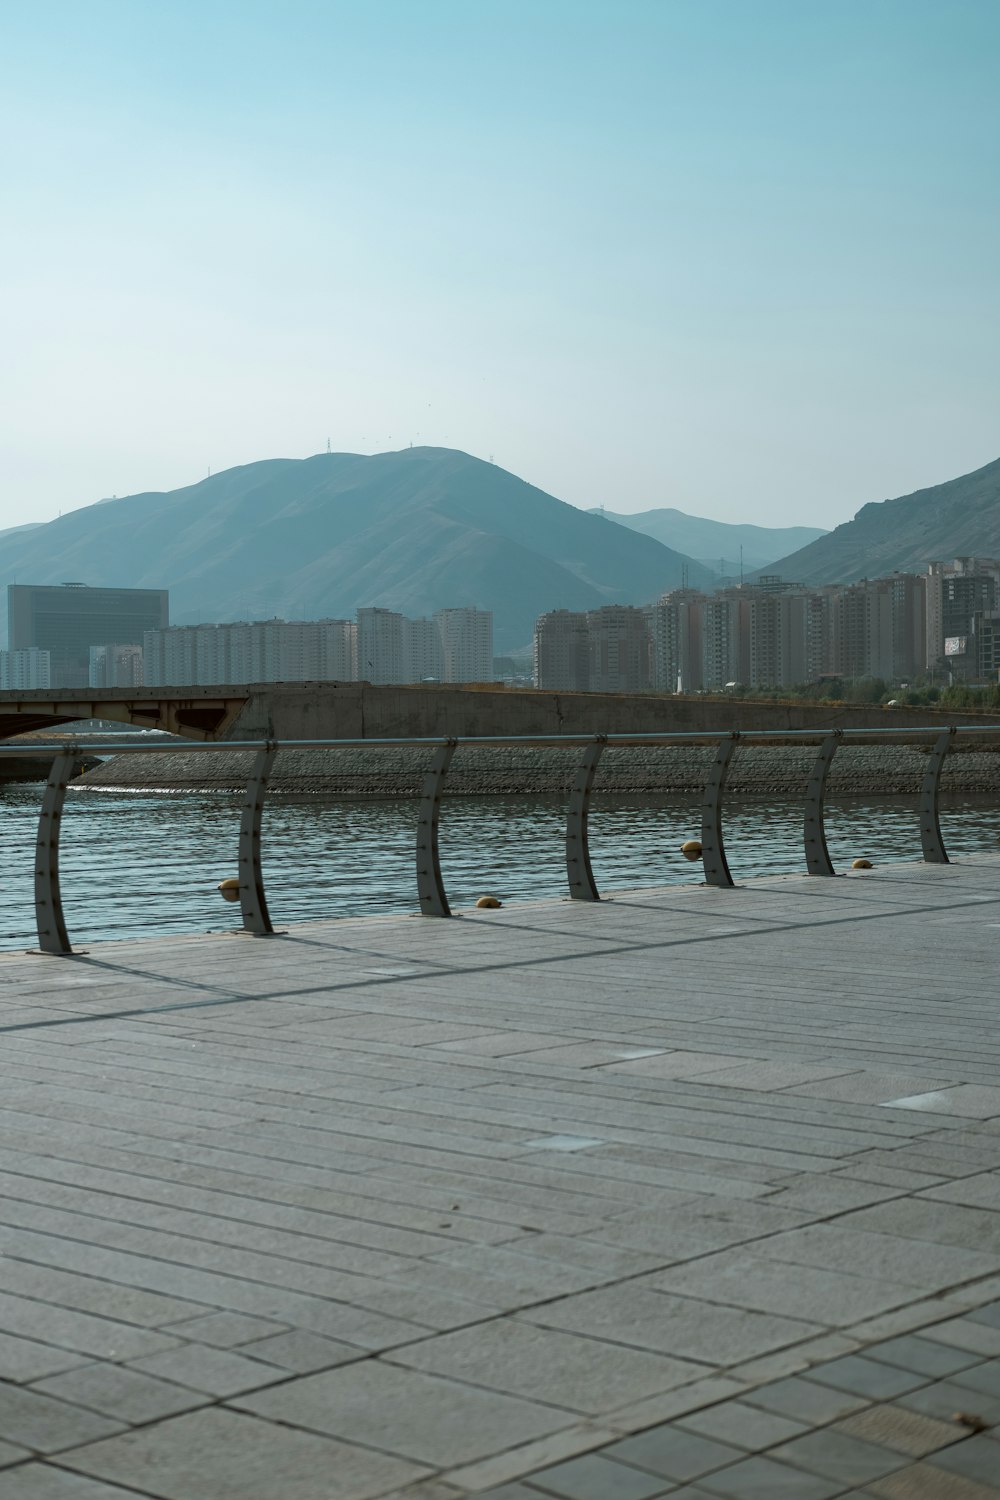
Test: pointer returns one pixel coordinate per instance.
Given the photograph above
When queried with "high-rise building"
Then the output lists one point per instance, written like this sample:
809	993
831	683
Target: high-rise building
381	653
957	591
67	619
619	649
466	644
674	624
724	646
423	658
561	658
116	666
26	669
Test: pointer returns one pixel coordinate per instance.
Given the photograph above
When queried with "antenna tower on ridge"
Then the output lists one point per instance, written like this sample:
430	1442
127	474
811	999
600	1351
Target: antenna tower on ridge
328	445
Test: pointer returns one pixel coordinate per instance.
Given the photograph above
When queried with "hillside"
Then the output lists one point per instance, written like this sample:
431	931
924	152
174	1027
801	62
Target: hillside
307	538
717	544
957	519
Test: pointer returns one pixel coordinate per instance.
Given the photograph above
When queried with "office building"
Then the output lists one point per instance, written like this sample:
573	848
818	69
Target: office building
67	619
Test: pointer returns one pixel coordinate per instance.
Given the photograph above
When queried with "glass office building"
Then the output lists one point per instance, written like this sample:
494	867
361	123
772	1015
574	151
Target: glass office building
67	619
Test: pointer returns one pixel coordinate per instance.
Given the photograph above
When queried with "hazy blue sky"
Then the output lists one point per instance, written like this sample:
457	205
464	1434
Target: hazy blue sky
737	256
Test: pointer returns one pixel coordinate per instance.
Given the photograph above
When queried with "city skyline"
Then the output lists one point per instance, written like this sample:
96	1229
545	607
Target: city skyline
736	260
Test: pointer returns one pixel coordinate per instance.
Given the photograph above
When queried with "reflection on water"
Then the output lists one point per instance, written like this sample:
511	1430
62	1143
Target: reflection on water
139	864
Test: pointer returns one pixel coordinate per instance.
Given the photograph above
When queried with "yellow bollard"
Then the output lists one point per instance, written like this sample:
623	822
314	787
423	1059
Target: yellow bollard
229	889
861	864
691	849
488	903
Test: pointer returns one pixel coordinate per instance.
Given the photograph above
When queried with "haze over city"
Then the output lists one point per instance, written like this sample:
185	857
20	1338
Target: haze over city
736	259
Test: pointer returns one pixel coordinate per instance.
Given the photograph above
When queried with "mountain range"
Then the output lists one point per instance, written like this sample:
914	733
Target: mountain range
725	548
960	518
310	538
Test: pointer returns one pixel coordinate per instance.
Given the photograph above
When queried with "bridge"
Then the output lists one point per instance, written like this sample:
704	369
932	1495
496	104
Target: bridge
359	710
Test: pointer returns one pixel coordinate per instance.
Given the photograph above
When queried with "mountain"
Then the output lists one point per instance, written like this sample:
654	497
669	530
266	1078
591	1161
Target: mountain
317	537
960	518
717	544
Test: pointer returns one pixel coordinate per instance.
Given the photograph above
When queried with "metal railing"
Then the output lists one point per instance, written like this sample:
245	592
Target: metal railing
53	936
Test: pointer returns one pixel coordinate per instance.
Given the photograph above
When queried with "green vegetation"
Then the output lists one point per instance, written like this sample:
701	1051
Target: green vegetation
877	690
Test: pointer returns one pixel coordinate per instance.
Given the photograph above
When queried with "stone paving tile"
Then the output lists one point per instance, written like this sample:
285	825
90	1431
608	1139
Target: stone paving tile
945	1398
761	1478
967	1099
434	1421
595	1476
748	1427
119	1392
812	1293
901	1430
845	1245
922	1355
231	1456
924	1481
302	1352
838	1455
349	1155
9	1454
977	1458
674	1453
984	1378
867	1377
586	1375
31	1420
41	1481
968	1333
805	1401
217	1372
631	1314
227	1330
25	1360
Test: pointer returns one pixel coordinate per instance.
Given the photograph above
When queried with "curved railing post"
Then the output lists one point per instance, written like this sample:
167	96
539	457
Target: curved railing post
931	841
713	849
253	902
582	886
430	886
52	934
818	861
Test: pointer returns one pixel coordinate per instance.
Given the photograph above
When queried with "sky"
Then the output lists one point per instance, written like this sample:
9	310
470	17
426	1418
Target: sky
734	256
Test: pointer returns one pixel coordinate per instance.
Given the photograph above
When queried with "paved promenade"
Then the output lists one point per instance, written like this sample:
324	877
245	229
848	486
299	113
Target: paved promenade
693	1193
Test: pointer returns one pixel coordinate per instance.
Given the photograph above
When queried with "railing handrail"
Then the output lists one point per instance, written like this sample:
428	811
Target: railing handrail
66	753
129	745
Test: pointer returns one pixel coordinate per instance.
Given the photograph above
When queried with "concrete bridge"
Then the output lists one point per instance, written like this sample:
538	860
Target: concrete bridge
359	710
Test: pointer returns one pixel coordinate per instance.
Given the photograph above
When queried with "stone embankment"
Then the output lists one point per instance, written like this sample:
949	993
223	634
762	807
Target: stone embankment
860	770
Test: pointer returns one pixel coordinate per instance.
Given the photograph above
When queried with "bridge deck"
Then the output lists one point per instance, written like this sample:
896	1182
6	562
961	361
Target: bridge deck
695	1192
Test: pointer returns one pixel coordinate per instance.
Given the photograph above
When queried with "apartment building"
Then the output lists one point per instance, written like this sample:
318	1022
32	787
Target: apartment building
116	666
26	669
561	651
466	637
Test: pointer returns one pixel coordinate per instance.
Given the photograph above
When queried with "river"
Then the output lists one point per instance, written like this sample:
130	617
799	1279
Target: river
145	864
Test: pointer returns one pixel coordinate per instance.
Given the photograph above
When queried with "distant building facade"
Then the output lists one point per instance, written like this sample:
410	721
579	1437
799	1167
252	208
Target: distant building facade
67	619
116	666
562	651
466	637
26	669
244	651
